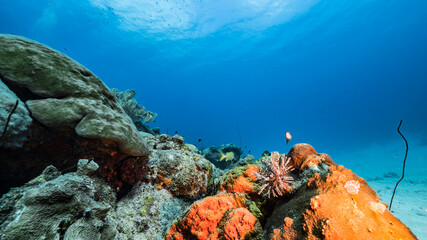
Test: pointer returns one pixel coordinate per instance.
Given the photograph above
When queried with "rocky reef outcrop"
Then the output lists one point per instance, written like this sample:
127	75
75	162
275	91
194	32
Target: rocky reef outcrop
213	154
331	203
55	206
82	205
178	167
223	216
326	201
64	113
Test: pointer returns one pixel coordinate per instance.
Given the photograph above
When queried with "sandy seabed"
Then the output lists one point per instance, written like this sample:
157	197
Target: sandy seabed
409	203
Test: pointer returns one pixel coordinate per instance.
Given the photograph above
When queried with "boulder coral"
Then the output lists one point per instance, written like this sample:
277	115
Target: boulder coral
62	93
64	113
182	172
241	180
336	204
177	166
145	213
304	156
54	206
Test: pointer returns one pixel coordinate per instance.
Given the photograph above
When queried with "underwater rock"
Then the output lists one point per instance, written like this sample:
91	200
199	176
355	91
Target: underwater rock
166	142
245	180
86	167
327	201
182	172
49	173
80	205
19	122
213	154
177	166
62	93
156	130
248	159
223	216
69	206
240	224
9	200
230	147
241	180
146	213
304	156
74	116
334	204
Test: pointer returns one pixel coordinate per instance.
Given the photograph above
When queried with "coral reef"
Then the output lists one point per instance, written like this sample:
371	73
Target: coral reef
68	206
228	219
241	179
136	185
181	172
328	202
80	205
62	93
213	154
65	113
178	167
146	212
135	111
325	209
275	172
303	156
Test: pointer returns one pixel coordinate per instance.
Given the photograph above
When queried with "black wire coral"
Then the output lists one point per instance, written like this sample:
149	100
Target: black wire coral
135	111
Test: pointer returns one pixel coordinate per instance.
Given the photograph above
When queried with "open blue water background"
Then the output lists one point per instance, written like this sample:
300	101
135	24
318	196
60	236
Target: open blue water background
338	75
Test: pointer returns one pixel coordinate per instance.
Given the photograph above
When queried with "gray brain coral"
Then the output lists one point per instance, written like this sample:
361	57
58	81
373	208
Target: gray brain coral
135	111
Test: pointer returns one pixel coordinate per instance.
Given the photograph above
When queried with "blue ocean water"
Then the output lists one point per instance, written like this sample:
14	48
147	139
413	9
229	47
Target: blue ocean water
338	75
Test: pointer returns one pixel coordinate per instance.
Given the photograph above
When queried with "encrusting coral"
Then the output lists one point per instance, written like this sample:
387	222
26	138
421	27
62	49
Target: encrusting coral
223	216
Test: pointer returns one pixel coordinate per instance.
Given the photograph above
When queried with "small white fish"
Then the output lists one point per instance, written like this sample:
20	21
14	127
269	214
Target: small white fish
288	137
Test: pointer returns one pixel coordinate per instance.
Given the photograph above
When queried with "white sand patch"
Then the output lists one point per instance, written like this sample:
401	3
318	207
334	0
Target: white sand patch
409	203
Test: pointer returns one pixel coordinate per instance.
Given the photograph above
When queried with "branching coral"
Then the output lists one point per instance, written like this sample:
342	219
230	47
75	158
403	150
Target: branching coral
135	111
274	171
